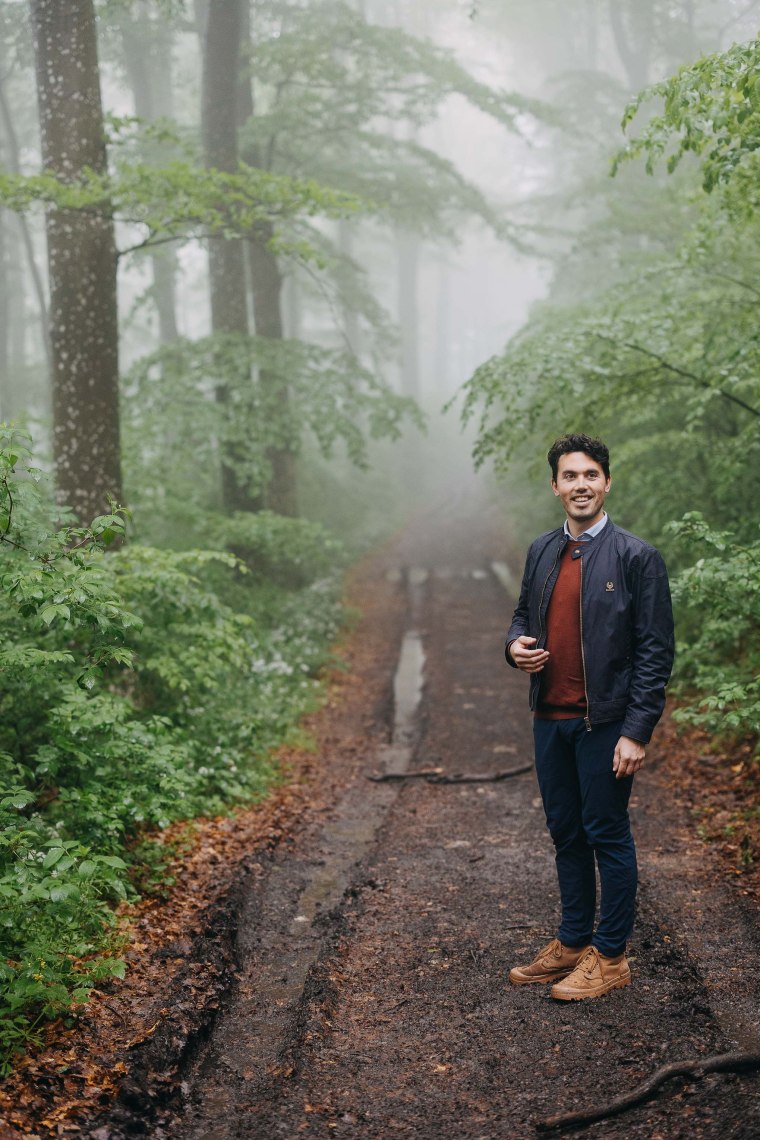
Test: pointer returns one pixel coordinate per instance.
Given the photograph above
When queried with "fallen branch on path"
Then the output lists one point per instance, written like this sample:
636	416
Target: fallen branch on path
437	776
690	1070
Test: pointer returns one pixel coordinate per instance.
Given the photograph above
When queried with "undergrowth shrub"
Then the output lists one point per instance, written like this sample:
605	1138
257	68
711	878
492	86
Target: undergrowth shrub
137	686
718	602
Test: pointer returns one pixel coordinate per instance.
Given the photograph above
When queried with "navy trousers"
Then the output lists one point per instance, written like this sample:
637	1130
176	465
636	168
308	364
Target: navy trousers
587	815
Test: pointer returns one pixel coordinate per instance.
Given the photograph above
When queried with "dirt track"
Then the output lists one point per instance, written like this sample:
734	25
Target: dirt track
371	996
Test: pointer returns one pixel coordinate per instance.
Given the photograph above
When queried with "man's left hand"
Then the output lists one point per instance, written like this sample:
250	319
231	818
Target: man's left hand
628	758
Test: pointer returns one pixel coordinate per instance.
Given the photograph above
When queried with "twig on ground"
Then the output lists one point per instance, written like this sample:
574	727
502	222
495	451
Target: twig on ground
435	776
690	1070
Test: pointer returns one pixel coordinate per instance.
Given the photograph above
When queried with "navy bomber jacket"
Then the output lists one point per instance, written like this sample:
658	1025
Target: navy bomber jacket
626	624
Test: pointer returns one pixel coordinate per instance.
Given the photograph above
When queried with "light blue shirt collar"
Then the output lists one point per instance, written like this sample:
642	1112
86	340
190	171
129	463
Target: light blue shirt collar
592	531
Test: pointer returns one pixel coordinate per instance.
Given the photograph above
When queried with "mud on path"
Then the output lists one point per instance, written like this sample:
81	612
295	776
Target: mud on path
373	949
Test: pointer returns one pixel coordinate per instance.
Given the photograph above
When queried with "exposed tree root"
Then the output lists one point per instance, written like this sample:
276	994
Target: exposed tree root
436	776
690	1070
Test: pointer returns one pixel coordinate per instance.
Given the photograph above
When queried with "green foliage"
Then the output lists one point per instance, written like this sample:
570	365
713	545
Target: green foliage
292	552
325	73
138	687
712	110
183	201
170	398
719	654
650	339
672	354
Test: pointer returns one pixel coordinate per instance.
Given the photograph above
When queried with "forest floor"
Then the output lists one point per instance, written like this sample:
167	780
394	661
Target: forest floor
334	960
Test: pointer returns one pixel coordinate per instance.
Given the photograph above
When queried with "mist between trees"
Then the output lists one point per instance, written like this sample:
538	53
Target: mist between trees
248	251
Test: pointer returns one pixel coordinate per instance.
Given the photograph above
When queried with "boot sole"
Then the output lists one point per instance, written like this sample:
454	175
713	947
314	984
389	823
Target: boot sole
550	979
617	984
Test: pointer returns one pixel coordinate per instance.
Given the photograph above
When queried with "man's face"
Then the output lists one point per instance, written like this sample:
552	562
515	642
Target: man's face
582	486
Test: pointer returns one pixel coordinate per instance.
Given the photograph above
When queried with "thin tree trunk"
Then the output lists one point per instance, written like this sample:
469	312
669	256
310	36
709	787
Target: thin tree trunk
281	494
221	68
5	264
408	312
147	46
633	29
267	289
346	247
17	359
12	160
442	359
81	261
200	13
291	307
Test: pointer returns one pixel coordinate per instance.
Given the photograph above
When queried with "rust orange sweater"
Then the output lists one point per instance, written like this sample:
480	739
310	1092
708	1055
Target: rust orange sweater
563	693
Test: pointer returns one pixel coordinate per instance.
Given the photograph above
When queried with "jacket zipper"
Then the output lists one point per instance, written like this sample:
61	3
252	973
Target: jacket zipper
586	718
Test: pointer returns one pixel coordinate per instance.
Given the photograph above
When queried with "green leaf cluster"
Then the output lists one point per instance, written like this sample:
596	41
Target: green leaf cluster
711	109
182	201
137	686
719	598
650	339
170	399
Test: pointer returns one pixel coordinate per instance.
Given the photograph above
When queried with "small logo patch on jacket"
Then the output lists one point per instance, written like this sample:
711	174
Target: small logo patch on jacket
610	587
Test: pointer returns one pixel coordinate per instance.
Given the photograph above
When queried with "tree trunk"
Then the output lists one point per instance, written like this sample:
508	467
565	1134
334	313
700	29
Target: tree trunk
266	288
266	279
292	307
5	377
11	158
346	247
81	261
221	69
443	325
408	312
633	28
147	54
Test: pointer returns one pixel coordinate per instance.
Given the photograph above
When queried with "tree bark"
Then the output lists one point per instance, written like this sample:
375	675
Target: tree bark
221	71
146	44
267	282
81	261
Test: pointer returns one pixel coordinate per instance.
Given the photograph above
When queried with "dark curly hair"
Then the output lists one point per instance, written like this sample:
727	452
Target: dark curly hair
592	447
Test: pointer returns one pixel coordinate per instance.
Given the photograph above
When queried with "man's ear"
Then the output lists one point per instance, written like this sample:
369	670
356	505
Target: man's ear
554	487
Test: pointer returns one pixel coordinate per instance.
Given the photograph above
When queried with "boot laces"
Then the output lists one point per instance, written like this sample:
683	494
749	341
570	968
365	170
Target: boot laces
588	961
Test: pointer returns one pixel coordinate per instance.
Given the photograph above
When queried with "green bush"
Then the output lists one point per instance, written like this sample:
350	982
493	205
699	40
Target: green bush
292	551
718	599
134	692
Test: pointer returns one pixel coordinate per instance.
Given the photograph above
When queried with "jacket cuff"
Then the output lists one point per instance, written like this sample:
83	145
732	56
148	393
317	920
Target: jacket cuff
637	730
507	654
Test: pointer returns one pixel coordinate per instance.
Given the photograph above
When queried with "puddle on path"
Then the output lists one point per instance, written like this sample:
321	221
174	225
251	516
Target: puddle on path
407	688
249	1037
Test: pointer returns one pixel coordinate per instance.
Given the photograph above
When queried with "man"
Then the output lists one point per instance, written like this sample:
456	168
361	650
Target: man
594	630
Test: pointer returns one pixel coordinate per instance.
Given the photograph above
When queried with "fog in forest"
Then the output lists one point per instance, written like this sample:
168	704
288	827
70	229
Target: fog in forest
279	281
475	199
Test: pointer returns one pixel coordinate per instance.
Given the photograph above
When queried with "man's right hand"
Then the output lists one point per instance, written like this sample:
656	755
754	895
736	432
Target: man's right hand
527	659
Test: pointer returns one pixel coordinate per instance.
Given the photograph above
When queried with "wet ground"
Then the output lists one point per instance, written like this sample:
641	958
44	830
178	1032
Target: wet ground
371	995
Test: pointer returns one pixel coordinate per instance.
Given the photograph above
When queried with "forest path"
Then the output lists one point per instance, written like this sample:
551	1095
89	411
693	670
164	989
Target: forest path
372	996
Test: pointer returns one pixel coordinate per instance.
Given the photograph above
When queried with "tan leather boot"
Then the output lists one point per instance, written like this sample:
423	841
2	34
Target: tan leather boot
593	976
553	962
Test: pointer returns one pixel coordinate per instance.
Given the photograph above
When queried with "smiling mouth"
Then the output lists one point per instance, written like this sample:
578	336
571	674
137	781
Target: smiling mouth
582	500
